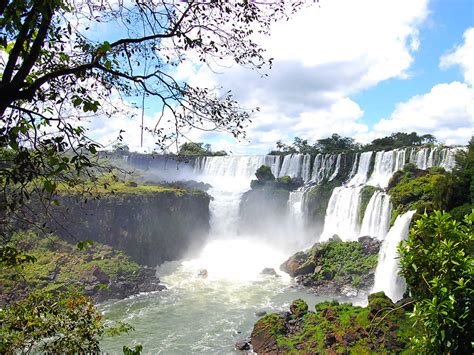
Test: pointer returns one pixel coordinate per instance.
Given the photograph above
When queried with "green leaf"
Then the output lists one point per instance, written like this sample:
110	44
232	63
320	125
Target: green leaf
85	243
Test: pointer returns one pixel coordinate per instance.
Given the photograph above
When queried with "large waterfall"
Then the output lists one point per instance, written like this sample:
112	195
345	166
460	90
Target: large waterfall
386	274
223	306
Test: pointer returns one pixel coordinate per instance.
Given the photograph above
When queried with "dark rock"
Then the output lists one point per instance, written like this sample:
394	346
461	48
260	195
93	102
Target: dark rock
260	313
328	313
328	274
299	308
242	345
260	208
370	246
150	227
335	238
286	316
269	271
378	304
99	274
265	332
350	337
330	340
294	263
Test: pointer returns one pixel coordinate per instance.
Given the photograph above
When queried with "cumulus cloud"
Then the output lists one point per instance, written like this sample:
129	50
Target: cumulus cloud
322	56
463	56
447	111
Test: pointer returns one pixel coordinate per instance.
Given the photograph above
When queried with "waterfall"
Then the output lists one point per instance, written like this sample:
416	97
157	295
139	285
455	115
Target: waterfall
342	214
386	274
291	166
306	168
447	158
338	165
377	216
235	166
295	208
386	163
425	158
360	177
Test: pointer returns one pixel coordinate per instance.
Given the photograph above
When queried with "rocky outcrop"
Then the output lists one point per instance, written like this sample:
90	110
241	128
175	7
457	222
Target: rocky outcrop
336	267
98	271
331	328
261	208
149	226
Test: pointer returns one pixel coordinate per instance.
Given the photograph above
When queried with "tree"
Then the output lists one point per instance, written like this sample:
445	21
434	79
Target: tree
438	264
335	144
65	322
54	74
190	148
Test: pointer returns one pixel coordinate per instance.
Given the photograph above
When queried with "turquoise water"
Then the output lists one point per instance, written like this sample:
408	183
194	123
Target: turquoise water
196	315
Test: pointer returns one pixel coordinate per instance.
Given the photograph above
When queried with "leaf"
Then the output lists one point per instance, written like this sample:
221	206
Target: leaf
49	186
85	243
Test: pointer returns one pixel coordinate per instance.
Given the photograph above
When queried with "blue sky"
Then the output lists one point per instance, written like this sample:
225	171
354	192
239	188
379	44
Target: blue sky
443	29
362	69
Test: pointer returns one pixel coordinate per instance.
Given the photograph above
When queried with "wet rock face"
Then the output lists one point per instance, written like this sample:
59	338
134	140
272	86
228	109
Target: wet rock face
149	227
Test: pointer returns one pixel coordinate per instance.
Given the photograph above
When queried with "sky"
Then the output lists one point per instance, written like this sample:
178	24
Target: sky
362	69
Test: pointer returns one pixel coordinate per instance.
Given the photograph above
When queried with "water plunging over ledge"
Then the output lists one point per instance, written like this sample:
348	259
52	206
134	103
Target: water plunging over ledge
208	315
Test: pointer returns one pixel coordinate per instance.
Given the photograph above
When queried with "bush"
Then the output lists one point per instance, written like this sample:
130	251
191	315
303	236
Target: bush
60	323
437	263
264	173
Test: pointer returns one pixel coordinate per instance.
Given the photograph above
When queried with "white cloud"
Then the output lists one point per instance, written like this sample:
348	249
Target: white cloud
463	56
447	111
322	56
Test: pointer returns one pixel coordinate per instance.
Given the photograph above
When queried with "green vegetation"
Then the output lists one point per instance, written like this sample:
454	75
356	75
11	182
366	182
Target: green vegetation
341	260
264	174
331	145
417	190
200	149
381	327
401	140
266	180
111	184
65	322
438	265
59	265
337	144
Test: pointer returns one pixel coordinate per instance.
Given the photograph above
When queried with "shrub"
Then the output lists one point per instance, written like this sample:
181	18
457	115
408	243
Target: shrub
437	263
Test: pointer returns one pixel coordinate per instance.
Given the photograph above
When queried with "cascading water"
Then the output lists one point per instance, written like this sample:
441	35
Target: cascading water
386	163
295	208
324	165
223	305
306	169
386	274
425	158
363	164
291	165
377	216
342	214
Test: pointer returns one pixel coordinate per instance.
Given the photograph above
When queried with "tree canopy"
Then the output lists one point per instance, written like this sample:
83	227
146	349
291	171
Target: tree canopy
66	61
338	144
